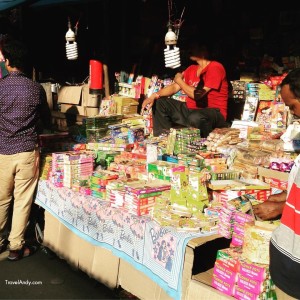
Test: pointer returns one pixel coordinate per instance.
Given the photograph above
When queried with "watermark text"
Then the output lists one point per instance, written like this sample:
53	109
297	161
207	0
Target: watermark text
22	282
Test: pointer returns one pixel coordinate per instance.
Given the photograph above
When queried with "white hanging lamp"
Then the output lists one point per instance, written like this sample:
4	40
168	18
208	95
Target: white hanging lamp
71	45
172	53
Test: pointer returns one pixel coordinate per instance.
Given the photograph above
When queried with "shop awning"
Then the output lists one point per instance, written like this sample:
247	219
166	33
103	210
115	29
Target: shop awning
9	4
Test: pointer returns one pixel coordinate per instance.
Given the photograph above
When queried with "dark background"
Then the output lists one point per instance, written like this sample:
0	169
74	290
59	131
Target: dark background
124	34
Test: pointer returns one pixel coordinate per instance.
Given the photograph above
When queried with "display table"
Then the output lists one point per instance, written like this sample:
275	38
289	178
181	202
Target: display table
121	249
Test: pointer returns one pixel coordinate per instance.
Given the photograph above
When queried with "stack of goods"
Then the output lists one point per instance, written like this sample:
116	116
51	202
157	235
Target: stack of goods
238	90
263	114
181	217
265	92
104	144
115	192
57	142
215	162
98	182
221	137
72	169
251	102
104	158
223	196
247	160
272	117
148	122
187	140
256	241
128	165
140	196
127	133
125	105
191	161
241	278
154	86
189	190
45	166
242	270
163	170
232	218
108	107
97	127
118	133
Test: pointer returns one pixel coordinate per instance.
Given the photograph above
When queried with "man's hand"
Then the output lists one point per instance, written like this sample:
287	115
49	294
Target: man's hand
269	210
148	103
278	197
178	78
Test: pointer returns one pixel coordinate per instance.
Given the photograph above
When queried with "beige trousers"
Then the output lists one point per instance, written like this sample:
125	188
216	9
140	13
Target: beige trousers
281	295
18	179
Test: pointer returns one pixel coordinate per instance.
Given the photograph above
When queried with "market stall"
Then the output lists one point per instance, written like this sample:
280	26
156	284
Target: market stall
120	241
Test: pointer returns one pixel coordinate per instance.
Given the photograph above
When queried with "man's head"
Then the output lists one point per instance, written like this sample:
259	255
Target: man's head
15	53
290	91
199	51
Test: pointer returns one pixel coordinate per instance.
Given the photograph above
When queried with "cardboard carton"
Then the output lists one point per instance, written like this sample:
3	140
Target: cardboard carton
77	100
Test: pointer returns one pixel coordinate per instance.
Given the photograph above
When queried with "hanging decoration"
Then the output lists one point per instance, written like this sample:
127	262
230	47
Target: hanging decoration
71	45
172	52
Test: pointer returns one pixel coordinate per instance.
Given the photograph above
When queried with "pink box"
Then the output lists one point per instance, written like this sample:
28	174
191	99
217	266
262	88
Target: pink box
242	294
223	286
276	183
242	218
230	258
224	272
237	239
224	195
239	229
253	286
254	271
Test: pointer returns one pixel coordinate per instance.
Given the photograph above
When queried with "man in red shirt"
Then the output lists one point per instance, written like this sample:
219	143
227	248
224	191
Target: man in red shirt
197	98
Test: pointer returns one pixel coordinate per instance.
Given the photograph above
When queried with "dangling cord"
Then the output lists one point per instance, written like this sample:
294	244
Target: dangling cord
170	4
76	26
178	23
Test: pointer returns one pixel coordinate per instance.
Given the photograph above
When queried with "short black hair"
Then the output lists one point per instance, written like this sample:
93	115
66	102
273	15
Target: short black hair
293	80
15	51
200	50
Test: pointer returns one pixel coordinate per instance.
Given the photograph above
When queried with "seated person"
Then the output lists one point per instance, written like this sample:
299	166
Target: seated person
205	88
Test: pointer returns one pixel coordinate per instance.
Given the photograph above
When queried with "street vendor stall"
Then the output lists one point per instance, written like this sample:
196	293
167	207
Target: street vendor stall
109	244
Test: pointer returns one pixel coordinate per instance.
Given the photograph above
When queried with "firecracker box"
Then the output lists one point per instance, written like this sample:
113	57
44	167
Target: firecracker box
257	240
245	184
125	105
163	170
226	195
274	178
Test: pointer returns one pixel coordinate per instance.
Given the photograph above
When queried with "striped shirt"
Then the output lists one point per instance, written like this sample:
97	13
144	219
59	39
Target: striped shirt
285	241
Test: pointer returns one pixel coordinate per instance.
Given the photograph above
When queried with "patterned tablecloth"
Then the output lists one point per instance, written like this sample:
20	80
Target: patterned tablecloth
156	251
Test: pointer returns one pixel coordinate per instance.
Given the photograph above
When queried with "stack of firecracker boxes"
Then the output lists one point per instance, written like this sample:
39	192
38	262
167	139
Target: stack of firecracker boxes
242	270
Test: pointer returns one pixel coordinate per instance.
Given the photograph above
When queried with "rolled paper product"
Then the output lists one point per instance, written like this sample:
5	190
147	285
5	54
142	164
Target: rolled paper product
96	76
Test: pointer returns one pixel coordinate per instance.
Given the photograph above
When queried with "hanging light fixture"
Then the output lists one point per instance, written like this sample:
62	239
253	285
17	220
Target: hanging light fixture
172	52
71	45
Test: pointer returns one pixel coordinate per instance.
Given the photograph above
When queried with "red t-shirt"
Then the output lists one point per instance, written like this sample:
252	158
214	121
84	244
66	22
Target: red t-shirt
214	77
